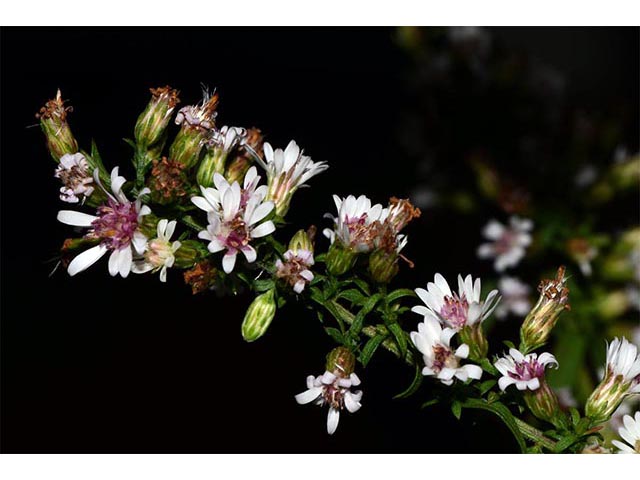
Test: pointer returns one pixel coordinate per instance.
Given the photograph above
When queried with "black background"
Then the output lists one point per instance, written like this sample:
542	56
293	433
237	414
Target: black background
101	364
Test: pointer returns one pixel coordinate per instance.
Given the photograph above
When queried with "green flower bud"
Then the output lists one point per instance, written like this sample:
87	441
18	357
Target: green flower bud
383	265
190	253
339	259
212	162
341	362
153	121
302	240
544	405
197	122
474	337
554	298
53	121
259	316
187	146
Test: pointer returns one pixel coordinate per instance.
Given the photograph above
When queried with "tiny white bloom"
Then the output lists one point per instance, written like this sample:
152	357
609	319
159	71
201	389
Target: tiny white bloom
159	252
507	244
440	359
623	360
630	433
515	297
335	391
227	138
235	217
116	226
295	268
523	371
75	175
456	309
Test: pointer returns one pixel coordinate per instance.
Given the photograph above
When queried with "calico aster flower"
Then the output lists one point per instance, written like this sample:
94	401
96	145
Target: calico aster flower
523	371
234	217
515	297
295	268
355	227
287	171
507	244
73	171
456	309
332	389
115	226
159	252
630	433
440	359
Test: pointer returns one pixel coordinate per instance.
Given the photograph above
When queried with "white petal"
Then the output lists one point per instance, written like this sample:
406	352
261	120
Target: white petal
350	403
308	395
228	262
263	229
504	382
86	259
113	262
249	253
124	261
77	219
332	420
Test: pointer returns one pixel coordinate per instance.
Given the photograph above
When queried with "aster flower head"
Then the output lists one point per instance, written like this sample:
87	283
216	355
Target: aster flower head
523	371
159	252
54	124
295	269
153	121
515	297
621	378
630	433
333	388
287	171
74	172
553	300
507	244
115	227
440	359
235	217
456	309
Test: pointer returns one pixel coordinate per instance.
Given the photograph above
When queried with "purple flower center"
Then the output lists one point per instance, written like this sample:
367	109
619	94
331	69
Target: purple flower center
527	370
235	234
455	310
506	242
116	224
443	357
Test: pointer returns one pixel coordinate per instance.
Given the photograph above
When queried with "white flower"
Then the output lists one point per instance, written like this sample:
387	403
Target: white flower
507	244
455	310
159	252
74	173
623	360
515	297
523	371
228	138
116	226
295	269
355	225
334	391
234	216
439	357
630	433
287	171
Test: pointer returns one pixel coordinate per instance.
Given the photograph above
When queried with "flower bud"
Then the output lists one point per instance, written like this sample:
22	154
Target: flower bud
340	260
190	253
341	362
53	120
474	337
217	151
153	121
544	405
303	240
383	265
554	298
621	378
259	316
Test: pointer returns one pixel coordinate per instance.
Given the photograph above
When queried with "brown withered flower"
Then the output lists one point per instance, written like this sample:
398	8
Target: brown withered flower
167	181
201	277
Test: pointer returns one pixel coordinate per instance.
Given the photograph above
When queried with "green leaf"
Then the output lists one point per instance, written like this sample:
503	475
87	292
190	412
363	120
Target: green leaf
575	416
503	413
353	295
362	285
401	292
131	143
263	285
456	409
485	386
399	335
335	334
415	384
565	443
428	403
358	321
509	344
370	348
488	367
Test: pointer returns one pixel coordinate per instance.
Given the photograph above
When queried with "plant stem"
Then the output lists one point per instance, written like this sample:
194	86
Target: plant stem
535	435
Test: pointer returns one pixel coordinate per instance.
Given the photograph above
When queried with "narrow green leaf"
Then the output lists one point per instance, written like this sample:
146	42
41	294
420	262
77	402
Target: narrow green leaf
399	335
263	285
401	292
428	403
358	321
370	348
362	285
335	334
353	295
565	443
485	386
415	384
509	344
456	409
575	415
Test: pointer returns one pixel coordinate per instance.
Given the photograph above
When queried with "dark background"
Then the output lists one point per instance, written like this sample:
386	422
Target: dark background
101	364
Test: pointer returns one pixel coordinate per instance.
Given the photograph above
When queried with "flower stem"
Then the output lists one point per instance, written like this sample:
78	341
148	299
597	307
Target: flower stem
535	435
